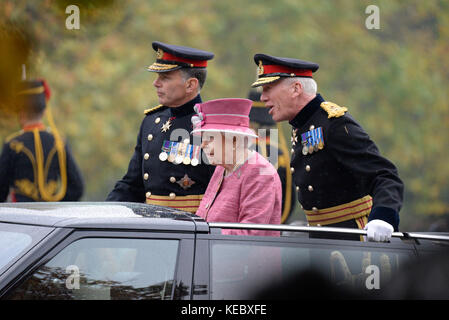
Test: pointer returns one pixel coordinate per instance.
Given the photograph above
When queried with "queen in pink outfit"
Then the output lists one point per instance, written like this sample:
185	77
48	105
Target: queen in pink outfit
245	187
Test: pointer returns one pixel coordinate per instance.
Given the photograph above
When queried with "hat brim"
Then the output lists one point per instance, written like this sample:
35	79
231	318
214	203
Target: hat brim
265	80
161	67
226	129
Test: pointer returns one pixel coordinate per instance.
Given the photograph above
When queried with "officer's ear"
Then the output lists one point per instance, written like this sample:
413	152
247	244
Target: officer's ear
192	85
297	88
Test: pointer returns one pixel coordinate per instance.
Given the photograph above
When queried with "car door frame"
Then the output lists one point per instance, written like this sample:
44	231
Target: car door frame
202	269
67	236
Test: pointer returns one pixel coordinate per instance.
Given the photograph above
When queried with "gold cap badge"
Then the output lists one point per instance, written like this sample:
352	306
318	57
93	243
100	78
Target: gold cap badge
260	68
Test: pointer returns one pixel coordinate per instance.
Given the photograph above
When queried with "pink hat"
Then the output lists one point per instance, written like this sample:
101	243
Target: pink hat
223	115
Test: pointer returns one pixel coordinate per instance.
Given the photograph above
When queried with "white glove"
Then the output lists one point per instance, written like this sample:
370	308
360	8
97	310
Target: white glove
379	230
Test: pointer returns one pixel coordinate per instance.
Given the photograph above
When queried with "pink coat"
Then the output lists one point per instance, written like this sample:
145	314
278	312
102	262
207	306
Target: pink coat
251	194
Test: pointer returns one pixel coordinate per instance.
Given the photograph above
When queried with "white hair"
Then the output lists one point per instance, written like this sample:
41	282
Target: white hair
309	85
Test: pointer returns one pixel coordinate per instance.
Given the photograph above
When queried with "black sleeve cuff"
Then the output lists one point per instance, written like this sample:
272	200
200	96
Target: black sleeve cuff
386	214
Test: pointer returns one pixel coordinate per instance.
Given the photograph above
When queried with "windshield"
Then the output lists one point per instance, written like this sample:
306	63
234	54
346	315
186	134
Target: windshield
16	240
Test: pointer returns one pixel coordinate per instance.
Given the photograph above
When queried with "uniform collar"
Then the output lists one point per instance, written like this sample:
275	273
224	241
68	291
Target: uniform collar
187	108
306	113
37	125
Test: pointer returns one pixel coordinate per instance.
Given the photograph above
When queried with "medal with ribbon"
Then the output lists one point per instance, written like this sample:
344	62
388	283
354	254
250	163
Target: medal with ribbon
305	137
320	138
195	155
312	141
181	153
173	151
166	146
188	155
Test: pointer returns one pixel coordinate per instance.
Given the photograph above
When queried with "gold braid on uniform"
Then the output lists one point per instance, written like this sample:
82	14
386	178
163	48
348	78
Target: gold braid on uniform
25	186
147	111
333	110
160	66
48	191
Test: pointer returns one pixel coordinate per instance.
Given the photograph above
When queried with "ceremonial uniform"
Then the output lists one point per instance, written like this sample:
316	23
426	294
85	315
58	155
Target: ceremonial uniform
167	167
341	178
338	170
154	175
35	165
274	151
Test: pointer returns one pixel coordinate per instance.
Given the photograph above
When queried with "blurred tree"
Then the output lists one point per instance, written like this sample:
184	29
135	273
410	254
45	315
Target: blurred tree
394	79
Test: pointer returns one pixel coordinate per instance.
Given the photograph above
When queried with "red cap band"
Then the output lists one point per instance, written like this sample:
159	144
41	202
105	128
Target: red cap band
195	63
272	68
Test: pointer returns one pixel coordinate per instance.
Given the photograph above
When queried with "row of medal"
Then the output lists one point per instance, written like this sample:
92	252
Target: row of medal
312	141
180	152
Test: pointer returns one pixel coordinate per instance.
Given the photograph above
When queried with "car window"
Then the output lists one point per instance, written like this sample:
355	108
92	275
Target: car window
105	269
242	269
11	244
16	239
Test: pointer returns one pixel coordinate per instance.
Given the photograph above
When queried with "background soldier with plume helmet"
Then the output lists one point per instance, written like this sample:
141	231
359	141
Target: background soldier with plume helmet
35	164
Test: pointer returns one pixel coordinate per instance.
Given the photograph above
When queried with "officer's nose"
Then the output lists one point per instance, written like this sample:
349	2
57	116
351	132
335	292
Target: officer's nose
156	83
263	97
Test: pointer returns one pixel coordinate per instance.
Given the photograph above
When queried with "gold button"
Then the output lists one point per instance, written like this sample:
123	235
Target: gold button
292	169
307	168
157	120
310	188
297	188
312	127
148	194
150	137
318	225
172	179
186	141
315	209
172	195
146	176
146	156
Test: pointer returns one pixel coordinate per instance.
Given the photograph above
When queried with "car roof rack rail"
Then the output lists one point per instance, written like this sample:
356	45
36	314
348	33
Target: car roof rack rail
281	227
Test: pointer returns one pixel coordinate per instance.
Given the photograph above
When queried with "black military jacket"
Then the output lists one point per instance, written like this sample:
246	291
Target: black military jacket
18	168
348	167
148	176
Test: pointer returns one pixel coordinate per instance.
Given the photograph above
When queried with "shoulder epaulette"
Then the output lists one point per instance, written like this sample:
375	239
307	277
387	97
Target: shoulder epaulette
13	135
148	111
333	110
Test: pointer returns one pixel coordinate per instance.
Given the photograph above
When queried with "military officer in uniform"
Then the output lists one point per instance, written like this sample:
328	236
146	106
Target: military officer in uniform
341	178
167	167
35	164
260	119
